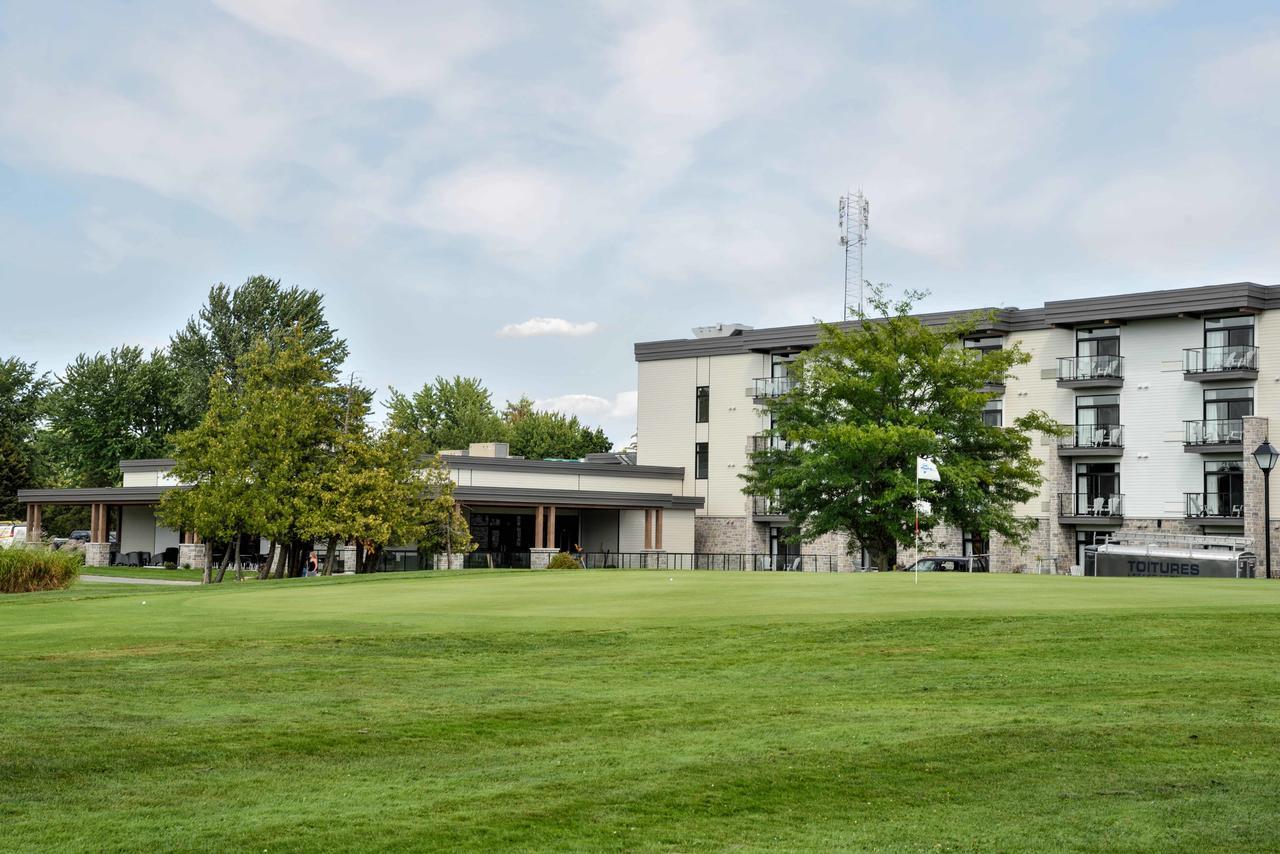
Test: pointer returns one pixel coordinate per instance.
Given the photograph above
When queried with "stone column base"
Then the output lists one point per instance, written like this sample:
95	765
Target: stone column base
194	555
97	554
539	558
347	554
654	558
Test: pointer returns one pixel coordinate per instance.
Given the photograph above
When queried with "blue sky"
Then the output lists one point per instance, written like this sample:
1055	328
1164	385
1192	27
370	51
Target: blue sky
448	173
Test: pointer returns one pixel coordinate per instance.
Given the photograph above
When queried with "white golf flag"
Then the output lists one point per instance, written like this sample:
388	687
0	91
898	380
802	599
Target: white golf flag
926	469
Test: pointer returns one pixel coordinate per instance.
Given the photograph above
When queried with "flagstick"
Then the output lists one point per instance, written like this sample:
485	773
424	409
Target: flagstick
917	541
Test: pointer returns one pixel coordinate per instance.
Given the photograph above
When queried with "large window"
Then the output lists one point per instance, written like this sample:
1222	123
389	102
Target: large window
1098	489
702	404
1227	404
1104	341
1224	488
700	461
1097	420
974	544
993	413
1228	331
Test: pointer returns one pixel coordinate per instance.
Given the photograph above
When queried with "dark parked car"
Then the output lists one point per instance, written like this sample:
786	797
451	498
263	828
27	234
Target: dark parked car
79	536
949	564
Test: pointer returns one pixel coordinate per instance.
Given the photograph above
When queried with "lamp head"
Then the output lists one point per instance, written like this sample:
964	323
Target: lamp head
1266	456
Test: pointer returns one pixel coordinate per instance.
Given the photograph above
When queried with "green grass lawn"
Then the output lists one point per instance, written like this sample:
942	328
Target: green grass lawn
178	574
644	711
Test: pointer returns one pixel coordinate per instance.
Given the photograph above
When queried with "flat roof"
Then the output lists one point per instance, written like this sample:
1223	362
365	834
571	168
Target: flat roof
562	466
1144	305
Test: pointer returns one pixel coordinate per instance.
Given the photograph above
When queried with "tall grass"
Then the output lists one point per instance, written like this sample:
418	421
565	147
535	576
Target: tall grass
28	570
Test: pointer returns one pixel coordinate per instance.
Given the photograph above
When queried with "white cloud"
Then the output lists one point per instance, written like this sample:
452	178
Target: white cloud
590	406
537	326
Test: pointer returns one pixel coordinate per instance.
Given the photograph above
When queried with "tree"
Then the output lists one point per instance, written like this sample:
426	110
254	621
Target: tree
107	408
233	321
258	446
446	414
22	393
540	435
866	402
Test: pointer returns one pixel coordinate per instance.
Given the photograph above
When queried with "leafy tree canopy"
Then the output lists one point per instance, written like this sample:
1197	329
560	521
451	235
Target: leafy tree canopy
233	321
111	407
21	398
870	399
540	435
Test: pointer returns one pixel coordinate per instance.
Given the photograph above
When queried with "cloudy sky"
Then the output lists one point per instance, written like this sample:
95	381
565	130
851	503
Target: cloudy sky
519	192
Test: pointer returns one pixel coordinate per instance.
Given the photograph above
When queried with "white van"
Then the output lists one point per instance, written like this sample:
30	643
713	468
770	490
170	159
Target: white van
14	534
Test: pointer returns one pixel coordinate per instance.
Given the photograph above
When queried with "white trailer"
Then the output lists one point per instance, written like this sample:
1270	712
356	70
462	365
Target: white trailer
1138	555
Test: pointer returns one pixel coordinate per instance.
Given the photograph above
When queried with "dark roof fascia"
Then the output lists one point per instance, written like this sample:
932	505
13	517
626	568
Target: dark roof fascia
1206	299
562	466
96	495
147	465
574	498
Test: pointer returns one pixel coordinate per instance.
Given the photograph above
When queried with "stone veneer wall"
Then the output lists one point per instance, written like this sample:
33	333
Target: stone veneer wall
729	535
1255	431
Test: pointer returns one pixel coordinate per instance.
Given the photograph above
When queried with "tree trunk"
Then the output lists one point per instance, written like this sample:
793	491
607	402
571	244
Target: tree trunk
265	570
884	556
360	552
239	573
282	566
330	554
370	556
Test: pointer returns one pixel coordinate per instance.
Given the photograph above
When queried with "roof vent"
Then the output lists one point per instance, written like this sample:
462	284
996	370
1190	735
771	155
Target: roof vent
720	330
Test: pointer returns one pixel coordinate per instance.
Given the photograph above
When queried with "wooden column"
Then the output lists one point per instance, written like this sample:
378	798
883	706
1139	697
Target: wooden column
537	527
93	523
551	527
657	528
648	529
34	533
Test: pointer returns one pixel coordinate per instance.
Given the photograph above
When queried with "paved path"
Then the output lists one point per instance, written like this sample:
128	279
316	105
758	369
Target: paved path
111	579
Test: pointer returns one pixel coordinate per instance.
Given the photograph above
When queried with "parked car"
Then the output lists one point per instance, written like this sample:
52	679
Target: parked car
949	563
79	536
17	534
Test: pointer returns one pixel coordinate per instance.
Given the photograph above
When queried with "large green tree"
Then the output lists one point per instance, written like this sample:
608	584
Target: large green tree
865	403
538	435
22	391
111	407
234	320
446	414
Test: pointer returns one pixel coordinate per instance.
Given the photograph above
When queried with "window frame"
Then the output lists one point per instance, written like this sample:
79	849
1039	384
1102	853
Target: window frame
702	404
701	460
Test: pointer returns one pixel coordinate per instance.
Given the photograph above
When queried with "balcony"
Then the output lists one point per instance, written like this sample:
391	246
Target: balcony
1207	364
1079	508
1093	440
1215	508
1090	371
769	387
768	443
765	509
1224	436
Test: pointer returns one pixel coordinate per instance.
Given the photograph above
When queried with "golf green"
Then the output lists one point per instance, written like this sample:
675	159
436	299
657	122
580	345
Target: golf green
643	711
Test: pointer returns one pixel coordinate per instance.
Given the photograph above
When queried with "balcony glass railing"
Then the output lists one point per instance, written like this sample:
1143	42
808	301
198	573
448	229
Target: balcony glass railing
764	506
773	386
1210	505
769	443
1226	431
1208	360
1090	367
1094	436
1087	504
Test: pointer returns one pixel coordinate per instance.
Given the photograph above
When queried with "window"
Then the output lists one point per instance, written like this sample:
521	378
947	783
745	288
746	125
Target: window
1228	331
984	343
1098	352
1223	488
1097	420
1097	489
1087	538
702	404
1227	404
973	544
993	413
700	461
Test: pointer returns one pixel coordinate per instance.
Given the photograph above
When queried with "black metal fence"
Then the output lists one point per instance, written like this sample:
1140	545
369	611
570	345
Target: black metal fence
725	562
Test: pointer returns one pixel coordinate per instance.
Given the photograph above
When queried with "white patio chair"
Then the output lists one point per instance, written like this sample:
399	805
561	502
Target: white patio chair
1096	509
1237	510
1113	506
1195	505
1099	437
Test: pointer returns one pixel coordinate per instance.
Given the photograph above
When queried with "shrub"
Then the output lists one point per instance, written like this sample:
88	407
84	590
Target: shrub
29	570
560	560
168	564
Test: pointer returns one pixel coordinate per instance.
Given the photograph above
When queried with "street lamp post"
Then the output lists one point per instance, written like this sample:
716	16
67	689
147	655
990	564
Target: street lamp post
1266	456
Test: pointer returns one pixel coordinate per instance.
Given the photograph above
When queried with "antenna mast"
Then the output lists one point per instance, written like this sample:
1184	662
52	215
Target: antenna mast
855	217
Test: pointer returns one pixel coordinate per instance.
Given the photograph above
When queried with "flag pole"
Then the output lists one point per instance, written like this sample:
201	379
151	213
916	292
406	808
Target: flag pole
916	564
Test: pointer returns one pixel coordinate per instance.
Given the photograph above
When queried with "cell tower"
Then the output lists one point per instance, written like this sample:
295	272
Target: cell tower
855	218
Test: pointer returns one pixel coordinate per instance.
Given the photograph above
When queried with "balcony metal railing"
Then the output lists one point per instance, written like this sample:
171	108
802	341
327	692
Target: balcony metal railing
1214	505
773	386
765	506
1084	504
1209	360
1090	367
1094	436
1226	431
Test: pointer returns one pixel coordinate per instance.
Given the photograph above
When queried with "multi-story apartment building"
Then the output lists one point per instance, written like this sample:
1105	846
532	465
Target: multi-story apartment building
1167	393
